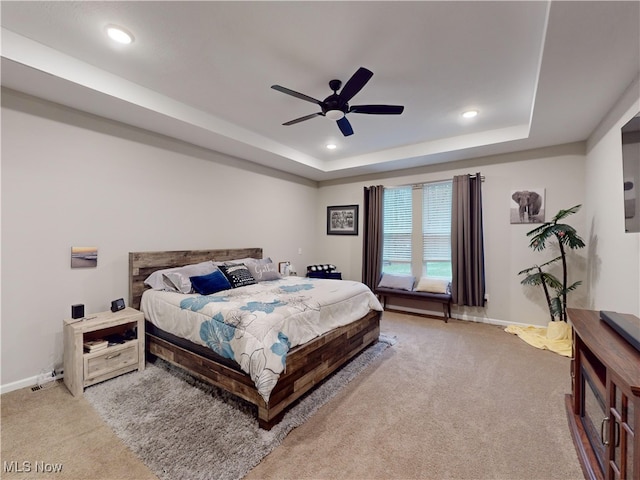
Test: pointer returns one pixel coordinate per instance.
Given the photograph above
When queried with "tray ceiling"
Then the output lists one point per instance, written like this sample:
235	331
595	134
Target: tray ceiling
538	73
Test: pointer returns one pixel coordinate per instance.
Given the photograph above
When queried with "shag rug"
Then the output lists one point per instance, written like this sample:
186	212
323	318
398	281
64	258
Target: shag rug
183	428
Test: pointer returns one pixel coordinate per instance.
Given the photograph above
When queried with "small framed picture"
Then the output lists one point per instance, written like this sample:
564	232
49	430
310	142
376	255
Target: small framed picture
284	268
84	257
342	220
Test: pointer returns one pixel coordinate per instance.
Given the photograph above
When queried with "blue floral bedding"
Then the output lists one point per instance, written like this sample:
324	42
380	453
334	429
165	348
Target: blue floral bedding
257	325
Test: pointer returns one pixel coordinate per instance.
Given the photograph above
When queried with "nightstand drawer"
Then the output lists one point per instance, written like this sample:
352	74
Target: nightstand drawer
98	366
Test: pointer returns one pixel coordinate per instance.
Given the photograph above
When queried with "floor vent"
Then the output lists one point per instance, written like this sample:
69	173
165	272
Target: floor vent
37	388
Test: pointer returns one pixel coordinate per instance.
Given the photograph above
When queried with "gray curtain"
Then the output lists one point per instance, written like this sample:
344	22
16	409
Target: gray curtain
372	236
467	248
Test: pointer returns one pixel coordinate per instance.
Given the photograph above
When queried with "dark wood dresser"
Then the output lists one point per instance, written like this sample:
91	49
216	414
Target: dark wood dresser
604	405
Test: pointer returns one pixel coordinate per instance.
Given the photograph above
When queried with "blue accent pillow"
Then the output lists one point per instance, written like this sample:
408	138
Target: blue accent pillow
210	283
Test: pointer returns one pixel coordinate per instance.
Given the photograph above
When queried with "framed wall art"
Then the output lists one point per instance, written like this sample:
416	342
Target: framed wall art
284	268
342	220
84	257
527	205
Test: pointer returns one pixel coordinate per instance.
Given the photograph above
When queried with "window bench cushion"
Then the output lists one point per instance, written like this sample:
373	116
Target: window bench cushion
397	281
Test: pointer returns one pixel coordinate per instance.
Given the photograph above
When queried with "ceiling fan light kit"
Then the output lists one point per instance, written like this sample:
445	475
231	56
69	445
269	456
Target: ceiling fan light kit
334	114
336	106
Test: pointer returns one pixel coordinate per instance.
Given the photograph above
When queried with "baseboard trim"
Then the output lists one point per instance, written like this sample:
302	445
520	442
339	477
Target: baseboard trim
27	382
457	316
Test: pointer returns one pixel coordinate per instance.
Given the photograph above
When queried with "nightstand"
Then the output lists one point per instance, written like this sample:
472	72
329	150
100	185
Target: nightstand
123	354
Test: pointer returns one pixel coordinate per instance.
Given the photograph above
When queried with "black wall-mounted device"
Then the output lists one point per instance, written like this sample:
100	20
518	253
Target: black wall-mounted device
77	310
117	305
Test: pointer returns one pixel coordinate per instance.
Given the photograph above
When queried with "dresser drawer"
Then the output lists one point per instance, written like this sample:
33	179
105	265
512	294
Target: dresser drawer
102	365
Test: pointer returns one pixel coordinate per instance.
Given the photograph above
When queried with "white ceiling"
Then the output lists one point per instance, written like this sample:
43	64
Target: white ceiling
540	73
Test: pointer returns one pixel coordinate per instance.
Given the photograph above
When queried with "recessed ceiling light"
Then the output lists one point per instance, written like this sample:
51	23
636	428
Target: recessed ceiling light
332	146
119	34
470	113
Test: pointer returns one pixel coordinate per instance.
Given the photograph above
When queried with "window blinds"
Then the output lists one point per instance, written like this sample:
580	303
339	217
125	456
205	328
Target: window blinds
397	226
436	221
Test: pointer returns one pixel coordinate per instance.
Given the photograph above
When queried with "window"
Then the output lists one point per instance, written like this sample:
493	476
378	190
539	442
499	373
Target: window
417	230
397	230
436	229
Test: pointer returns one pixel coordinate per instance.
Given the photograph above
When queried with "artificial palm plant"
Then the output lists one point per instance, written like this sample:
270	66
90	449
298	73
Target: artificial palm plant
566	237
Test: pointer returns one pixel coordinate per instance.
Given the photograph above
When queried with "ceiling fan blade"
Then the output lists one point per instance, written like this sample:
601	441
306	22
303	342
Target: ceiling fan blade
302	119
293	93
377	109
355	84
345	126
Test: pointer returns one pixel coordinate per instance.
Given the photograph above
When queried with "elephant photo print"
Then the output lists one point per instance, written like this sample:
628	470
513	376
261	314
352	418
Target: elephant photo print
527	205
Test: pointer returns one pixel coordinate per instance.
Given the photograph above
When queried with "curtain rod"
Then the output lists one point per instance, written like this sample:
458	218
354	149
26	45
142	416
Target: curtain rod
420	185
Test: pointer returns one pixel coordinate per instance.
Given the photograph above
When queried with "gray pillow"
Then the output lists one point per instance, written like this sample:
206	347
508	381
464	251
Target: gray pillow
177	282
264	271
246	261
156	281
400	282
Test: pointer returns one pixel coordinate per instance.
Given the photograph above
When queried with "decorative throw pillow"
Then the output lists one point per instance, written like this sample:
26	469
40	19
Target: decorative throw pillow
237	274
321	268
264	271
156	281
400	282
432	285
210	283
177	282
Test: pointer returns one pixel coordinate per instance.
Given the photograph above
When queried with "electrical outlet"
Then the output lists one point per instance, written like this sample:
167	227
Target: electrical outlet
486	297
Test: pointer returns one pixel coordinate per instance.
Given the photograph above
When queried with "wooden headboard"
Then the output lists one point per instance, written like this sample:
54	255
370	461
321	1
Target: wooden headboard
143	264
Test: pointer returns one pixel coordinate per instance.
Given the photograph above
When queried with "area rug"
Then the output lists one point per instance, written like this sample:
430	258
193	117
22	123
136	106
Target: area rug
183	428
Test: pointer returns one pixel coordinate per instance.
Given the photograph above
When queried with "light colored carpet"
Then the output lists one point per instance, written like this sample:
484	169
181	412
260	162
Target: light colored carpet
51	427
183	428
457	400
448	401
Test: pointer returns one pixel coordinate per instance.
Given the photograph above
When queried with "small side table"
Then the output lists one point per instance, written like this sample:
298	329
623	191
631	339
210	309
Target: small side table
81	368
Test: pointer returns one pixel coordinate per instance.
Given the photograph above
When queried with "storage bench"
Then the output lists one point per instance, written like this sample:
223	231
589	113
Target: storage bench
443	298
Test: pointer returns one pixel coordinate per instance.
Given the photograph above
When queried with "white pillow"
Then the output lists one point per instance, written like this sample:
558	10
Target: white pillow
400	282
156	281
432	285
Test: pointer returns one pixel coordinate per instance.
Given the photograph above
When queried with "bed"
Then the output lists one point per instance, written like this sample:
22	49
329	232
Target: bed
303	367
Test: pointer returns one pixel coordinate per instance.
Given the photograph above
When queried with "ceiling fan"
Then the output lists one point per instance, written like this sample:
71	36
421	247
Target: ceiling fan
336	105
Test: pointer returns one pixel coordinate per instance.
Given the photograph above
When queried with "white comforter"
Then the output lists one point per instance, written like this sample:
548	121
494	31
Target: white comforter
257	325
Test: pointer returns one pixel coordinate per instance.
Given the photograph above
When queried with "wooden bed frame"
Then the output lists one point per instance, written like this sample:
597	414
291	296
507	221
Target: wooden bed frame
307	365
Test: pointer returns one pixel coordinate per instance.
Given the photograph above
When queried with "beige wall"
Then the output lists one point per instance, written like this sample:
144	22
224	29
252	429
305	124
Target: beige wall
560	170
71	179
